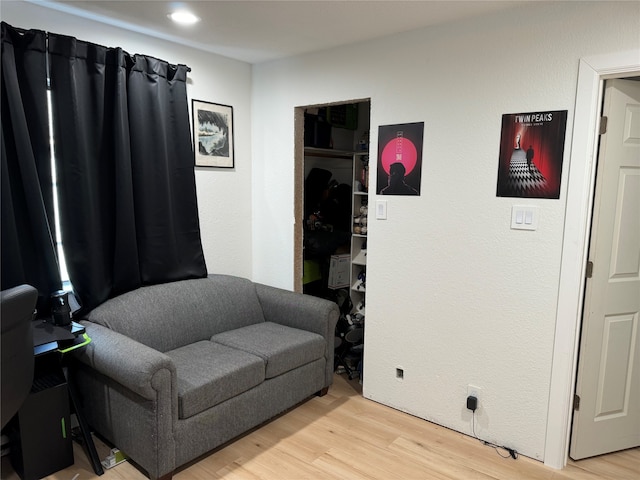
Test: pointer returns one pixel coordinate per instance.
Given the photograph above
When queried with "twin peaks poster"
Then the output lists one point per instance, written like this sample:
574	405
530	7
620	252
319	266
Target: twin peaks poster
531	152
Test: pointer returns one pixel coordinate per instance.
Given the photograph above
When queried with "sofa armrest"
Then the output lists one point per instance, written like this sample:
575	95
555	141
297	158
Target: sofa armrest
135	366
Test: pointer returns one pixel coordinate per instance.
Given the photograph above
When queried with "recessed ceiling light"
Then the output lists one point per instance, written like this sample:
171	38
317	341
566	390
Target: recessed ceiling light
183	17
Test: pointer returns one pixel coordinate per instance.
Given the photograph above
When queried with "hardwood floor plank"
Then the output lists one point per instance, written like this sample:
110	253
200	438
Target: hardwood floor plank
339	469
343	436
435	462
623	465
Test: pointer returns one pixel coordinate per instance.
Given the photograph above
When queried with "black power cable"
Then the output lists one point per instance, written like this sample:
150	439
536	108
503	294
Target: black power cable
512	452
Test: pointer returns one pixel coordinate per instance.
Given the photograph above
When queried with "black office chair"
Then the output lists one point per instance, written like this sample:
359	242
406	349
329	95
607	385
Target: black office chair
16	319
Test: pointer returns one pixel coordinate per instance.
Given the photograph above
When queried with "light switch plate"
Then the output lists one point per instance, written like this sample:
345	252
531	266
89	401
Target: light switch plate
524	217
381	209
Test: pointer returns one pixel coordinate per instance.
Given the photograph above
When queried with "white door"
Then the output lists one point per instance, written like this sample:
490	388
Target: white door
608	381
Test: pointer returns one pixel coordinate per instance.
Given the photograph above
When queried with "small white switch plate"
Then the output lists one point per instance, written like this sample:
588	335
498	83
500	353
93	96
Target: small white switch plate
381	209
524	217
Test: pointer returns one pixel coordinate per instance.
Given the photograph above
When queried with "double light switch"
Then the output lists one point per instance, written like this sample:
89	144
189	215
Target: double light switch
524	217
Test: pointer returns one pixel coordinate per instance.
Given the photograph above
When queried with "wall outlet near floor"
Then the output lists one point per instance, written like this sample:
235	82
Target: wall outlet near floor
473	391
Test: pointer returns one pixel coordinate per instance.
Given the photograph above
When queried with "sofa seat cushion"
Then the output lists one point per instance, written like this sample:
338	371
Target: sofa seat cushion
282	348
210	373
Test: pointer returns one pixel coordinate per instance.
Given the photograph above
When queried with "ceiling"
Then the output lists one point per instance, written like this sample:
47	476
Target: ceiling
256	31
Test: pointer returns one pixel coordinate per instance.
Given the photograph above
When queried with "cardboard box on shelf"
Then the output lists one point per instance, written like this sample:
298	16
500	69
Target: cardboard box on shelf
339	267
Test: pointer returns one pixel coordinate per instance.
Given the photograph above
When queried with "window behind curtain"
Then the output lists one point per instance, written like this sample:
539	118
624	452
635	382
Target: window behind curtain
124	165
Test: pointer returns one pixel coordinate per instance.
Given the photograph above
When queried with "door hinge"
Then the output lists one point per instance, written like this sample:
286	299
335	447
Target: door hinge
603	125
589	273
576	402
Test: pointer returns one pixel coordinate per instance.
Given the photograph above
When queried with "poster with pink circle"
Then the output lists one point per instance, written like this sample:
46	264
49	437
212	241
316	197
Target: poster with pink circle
400	159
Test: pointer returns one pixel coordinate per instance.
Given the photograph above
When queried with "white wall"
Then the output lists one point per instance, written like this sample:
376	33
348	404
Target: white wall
224	195
455	297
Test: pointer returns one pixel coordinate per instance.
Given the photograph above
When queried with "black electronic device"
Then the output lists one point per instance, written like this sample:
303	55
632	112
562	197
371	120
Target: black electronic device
60	308
41	437
472	403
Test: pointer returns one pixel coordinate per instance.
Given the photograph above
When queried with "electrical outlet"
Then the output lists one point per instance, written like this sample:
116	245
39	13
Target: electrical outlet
473	391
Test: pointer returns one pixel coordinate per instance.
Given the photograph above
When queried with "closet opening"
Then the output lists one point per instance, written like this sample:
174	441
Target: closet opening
331	213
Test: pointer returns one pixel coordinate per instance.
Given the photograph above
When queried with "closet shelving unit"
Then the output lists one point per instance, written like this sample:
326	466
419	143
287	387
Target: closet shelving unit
359	239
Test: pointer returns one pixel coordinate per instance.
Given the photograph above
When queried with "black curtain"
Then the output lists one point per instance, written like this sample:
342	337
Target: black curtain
125	169
28	250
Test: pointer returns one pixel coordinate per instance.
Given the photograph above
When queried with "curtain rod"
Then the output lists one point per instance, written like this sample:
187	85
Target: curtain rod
23	31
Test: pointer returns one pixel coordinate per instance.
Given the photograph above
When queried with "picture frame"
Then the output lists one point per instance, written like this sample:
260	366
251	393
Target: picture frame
400	159
213	144
531	154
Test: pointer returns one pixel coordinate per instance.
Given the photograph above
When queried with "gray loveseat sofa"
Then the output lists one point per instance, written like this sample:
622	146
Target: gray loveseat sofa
175	370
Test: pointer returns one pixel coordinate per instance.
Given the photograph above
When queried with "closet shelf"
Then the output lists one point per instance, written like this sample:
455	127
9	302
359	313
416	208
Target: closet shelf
360	258
328	152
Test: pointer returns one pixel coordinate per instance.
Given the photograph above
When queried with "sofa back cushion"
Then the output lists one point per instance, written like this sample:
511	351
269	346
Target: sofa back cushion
171	315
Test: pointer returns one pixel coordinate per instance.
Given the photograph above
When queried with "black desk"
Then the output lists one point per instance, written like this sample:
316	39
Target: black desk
50	344
48	338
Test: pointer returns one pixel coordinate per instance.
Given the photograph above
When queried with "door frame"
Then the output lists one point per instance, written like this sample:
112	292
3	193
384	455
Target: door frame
298	184
592	73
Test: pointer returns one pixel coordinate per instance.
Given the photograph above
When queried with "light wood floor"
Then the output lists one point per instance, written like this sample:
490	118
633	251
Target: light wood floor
344	436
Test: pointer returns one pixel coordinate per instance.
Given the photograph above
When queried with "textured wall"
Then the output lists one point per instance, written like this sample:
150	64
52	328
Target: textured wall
454	296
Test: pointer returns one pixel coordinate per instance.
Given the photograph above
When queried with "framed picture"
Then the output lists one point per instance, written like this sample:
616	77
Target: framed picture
212	134
531	153
400	159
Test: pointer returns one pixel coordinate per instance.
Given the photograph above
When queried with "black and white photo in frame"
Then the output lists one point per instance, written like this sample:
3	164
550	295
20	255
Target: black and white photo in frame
213	134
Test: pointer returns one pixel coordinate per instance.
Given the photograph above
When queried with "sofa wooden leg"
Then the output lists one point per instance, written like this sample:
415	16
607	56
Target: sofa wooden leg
166	476
322	392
